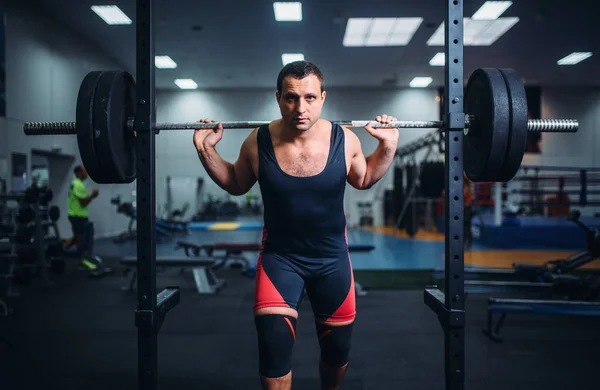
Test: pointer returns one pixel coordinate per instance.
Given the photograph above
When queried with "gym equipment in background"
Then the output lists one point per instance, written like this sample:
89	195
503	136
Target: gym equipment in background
555	277
163	228
504	306
202	269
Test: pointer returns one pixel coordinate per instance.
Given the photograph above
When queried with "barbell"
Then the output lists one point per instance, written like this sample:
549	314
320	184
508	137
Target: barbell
496	125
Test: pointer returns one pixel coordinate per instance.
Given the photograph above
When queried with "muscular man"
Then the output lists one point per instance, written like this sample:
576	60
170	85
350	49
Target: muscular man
302	163
78	202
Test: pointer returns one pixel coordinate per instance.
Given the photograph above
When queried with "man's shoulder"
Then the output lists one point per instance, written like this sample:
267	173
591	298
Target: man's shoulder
78	184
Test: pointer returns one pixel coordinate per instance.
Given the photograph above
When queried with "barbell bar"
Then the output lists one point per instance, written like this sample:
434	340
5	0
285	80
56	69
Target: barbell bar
70	128
495	125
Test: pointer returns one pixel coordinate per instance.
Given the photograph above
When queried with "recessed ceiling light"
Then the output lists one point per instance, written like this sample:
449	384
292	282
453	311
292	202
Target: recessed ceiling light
380	31
421	82
186	84
574	58
491	10
438	60
111	14
477	32
286	58
288	11
164	62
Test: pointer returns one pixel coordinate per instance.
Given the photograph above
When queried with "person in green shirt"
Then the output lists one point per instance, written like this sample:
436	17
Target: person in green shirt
78	202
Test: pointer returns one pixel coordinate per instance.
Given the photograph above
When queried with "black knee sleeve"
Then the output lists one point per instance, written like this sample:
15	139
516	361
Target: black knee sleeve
335	343
276	336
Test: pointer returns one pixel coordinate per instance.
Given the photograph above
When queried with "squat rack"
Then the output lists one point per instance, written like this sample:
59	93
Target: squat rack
152	307
449	304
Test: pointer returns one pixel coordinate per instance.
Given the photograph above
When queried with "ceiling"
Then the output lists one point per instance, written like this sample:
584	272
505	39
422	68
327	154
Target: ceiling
238	43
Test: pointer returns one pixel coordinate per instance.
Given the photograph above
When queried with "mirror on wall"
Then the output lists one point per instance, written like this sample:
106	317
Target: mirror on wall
19	177
40	175
3	175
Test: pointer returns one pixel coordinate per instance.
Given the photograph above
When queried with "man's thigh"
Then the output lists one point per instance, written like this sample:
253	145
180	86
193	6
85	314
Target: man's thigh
278	283
78	225
331	292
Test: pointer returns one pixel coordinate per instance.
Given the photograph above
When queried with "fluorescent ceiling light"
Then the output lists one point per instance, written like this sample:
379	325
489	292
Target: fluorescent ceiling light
373	32
186	84
421	82
286	58
491	10
438	60
111	14
477	32
164	62
288	12
574	58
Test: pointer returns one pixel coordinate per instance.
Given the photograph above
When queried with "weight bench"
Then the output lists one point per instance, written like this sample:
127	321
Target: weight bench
232	251
534	306
204	277
235	250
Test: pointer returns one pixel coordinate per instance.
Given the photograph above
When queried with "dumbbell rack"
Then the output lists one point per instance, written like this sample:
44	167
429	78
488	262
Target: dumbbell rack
8	272
7	260
38	242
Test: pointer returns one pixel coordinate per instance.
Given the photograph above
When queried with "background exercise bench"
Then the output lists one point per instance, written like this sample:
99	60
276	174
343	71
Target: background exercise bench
204	277
534	306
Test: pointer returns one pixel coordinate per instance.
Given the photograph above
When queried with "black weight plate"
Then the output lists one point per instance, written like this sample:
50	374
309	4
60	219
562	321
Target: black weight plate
84	122
517	143
486	101
123	103
115	97
32	195
25	215
54	213
130	101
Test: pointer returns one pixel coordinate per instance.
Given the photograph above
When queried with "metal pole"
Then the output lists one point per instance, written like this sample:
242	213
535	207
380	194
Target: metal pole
453	322
146	202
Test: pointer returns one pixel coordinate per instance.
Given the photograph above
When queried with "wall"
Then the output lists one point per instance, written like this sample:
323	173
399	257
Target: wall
176	155
45	64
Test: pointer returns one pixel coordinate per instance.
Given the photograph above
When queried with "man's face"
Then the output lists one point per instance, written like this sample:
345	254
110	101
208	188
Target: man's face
301	102
83	174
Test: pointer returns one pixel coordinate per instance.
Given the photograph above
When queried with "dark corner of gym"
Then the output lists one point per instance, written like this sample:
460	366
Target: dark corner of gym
307	195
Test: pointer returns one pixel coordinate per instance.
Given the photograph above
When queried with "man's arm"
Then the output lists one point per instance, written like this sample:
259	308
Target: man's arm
87	200
366	171
81	194
237	178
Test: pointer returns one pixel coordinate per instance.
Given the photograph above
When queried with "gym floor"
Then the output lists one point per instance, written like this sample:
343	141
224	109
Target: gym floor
80	333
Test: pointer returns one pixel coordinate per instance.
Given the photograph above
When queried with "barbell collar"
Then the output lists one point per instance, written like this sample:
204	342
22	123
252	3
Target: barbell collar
533	125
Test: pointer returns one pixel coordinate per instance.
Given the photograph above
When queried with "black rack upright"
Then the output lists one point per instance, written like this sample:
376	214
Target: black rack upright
449	304
152	307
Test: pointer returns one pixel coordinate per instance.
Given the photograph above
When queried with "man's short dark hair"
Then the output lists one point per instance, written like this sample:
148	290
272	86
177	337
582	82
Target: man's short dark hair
299	70
78	169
